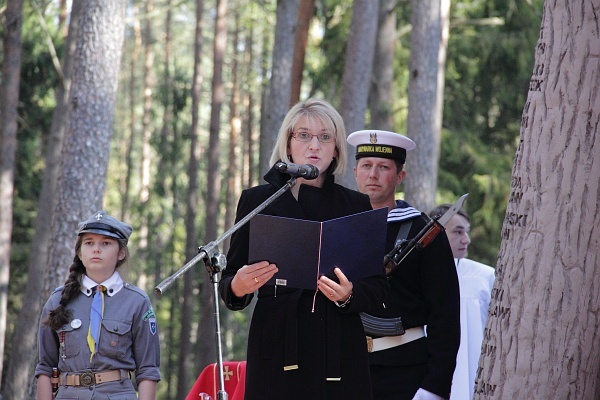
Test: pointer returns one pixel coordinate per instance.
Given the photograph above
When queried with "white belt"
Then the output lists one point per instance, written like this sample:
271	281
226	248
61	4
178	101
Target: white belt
387	342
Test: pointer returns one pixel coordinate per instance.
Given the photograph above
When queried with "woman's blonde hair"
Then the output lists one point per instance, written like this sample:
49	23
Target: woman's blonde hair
324	113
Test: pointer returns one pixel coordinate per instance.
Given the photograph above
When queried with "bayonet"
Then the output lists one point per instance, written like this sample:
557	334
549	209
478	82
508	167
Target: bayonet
434	226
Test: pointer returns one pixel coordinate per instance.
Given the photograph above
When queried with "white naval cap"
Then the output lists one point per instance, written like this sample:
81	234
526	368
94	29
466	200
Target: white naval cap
382	144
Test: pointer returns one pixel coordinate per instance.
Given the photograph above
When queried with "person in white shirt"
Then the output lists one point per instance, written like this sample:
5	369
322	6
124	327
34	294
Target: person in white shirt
476	281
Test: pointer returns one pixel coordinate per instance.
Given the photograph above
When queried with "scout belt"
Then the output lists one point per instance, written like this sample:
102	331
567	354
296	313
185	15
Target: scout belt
377	326
90	378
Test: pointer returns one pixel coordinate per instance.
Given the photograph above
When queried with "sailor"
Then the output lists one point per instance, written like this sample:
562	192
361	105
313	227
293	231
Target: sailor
412	354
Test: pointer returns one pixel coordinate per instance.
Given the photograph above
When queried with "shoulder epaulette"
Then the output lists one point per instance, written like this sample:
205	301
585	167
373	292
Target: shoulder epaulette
58	289
134	288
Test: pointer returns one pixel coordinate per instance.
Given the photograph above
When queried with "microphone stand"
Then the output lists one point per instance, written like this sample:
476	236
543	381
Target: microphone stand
214	262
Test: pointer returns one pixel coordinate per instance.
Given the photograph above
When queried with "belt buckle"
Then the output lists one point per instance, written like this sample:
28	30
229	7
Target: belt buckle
87	378
369	344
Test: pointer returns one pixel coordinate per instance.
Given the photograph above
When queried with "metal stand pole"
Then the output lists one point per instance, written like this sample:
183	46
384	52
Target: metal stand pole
214	265
215	262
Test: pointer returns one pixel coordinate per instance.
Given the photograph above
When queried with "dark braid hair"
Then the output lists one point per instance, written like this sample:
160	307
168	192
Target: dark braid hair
61	315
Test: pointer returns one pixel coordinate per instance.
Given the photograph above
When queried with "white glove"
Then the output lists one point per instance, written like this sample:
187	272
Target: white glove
423	394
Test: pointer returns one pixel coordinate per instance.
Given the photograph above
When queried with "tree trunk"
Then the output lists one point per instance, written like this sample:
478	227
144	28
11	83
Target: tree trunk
161	235
542	337
191	228
9	101
248	170
24	346
159	219
251	141
147	132
62	16
305	12
441	76
356	80
167	159
82	176
278	96
207	301
381	97
129	149
265	144
235	125
422	163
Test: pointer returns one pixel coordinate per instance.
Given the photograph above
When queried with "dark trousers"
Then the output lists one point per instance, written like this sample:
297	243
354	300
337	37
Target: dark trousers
396	382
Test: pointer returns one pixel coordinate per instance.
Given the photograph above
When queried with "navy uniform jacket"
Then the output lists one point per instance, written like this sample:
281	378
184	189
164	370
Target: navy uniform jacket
423	291
128	340
328	345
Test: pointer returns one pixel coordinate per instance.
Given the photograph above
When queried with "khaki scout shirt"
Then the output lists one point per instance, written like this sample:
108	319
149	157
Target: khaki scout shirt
128	338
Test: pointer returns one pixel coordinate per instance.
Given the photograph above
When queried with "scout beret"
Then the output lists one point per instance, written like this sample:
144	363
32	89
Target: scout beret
382	144
103	224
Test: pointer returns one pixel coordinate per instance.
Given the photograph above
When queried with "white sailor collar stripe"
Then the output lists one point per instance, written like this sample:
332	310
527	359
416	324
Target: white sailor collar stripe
402	213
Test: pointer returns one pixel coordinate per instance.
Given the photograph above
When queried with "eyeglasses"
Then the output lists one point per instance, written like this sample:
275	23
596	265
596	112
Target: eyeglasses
307	137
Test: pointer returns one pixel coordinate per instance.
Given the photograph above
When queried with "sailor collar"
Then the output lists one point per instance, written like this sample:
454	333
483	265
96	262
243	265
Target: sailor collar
402	212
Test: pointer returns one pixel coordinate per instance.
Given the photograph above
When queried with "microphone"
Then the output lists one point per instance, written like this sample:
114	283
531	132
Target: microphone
306	171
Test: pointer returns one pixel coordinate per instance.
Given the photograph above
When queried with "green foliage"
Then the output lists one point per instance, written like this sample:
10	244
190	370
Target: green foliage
325	61
467	166
401	70
36	103
487	76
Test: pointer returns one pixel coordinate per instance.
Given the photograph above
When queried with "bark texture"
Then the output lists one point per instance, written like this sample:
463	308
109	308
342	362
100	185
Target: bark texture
381	97
85	153
9	100
207	353
188	298
422	163
305	13
542	335
24	347
278	97
356	81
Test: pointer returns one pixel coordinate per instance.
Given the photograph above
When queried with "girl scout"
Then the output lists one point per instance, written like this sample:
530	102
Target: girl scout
96	329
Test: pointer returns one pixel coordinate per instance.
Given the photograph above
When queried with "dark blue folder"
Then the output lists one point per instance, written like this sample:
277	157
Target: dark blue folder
305	250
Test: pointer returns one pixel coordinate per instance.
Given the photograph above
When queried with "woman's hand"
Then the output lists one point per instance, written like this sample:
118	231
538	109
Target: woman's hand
251	277
334	291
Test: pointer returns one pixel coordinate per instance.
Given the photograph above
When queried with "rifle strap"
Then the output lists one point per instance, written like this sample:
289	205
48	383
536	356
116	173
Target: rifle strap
387	326
403	232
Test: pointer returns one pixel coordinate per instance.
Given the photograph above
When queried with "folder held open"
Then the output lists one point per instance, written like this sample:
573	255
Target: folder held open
304	250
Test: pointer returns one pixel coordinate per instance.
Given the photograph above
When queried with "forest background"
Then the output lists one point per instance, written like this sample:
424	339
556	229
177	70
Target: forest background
487	74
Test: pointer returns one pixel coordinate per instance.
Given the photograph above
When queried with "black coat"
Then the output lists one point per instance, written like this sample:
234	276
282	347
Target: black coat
328	344
423	291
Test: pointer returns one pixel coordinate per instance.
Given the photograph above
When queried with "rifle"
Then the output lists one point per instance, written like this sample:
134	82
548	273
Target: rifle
378	326
434	226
